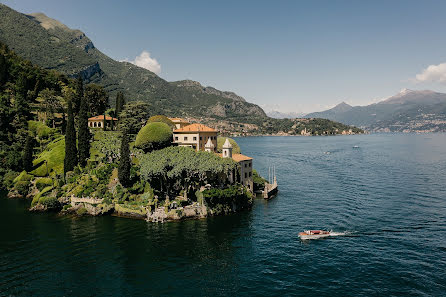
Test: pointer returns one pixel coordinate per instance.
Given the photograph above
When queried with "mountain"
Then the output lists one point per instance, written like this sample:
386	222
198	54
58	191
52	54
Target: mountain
407	111
284	115
52	45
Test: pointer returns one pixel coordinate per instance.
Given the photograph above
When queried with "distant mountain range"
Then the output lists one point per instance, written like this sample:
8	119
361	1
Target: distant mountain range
407	111
284	115
52	45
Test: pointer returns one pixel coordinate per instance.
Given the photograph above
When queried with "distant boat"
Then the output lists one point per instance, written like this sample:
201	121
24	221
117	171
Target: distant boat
356	146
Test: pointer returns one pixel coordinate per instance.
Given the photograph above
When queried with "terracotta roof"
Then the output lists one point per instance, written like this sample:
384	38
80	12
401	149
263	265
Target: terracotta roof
101	118
238	157
178	120
195	128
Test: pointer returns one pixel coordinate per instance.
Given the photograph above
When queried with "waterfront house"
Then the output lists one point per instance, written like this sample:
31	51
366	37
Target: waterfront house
195	136
98	122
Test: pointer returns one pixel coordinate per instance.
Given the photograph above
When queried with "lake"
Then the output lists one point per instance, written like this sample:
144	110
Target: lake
386	191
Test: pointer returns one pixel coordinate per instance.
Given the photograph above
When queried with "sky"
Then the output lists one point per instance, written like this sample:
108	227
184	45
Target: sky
289	56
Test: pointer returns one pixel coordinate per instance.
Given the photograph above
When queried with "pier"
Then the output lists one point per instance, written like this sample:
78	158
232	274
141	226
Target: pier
271	187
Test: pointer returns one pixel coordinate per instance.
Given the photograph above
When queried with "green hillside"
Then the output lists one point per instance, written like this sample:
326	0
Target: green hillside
52	45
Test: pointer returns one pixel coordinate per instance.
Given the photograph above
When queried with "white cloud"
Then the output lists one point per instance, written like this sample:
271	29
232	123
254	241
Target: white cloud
433	73
144	60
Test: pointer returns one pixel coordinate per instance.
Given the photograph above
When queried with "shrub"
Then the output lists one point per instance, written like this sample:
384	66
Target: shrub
43	182
51	159
8	179
23	176
40	129
221	141
161	119
222	200
50	202
154	136
259	182
35	201
22	187
81	211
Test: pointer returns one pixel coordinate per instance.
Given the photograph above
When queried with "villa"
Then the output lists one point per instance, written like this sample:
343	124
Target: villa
203	138
195	136
98	122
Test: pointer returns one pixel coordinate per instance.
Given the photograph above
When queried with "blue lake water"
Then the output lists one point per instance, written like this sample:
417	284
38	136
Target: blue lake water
388	193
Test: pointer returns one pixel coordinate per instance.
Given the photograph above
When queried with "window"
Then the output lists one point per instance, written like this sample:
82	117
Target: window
250	164
176	138
185	138
250	174
201	137
246	165
246	174
195	138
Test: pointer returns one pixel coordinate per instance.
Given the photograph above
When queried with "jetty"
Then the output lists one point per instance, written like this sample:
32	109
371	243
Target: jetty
271	188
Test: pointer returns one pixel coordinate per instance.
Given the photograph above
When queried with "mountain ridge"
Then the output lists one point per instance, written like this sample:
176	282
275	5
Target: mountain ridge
407	111
53	45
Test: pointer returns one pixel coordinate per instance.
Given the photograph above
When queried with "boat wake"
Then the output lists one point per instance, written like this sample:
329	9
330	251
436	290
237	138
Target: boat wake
345	233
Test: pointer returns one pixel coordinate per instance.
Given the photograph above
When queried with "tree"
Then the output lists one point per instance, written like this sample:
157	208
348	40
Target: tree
28	153
162	119
124	163
120	102
154	136
3	70
104	122
50	104
134	116
70	160
21	104
97	99
84	133
221	141
79	94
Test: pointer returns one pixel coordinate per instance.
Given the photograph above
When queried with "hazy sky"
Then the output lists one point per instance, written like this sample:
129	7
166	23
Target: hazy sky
288	55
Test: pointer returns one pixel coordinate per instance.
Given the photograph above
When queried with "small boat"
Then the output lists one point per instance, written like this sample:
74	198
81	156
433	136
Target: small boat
356	146
314	234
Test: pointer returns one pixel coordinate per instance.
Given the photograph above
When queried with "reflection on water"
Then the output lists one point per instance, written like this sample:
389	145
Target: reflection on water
387	196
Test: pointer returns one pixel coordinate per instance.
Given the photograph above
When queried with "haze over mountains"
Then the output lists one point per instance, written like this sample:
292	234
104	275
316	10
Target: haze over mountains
52	45
407	111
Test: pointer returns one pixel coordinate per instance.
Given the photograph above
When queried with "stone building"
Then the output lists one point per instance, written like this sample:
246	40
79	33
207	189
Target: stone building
195	136
245	162
98	122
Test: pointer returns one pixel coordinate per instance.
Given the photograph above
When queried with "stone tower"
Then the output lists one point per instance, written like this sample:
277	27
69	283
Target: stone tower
227	149
209	147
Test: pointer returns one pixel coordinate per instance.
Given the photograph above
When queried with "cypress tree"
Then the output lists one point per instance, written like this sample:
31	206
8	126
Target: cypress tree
104	123
27	156
21	103
3	70
124	163
120	102
84	133
79	94
70	160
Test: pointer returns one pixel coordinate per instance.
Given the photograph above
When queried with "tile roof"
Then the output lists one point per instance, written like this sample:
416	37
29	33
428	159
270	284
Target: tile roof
195	128
178	120
101	118
238	157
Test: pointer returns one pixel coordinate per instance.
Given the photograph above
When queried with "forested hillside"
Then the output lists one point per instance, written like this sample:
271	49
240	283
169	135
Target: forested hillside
52	45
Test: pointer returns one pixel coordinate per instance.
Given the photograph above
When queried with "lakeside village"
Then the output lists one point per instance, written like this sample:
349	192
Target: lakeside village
170	170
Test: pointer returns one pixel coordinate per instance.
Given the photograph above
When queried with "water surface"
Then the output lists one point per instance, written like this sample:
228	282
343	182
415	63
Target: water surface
387	191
